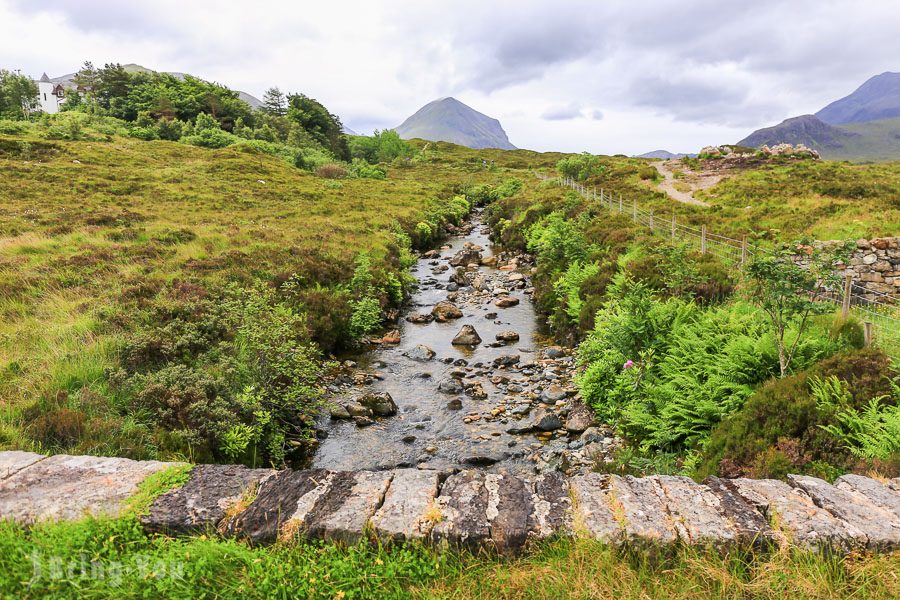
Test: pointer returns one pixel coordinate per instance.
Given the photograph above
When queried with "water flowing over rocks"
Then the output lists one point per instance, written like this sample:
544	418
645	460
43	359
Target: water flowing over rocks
471	508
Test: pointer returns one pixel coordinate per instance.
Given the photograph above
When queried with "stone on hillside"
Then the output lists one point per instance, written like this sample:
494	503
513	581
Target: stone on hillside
200	504
13	461
506	301
507	336
592	511
880	526
804	523
445	311
579	419
420	353
467	336
408	512
884	496
71	487
643	510
380	403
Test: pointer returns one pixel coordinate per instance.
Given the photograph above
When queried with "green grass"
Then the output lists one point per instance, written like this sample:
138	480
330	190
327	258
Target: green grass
114	558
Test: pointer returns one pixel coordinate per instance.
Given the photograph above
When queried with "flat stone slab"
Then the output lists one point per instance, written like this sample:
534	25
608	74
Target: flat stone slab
285	496
881	527
551	507
66	487
797	517
643	510
751	526
592	512
409	511
13	461
344	510
881	495
201	503
696	512
463	518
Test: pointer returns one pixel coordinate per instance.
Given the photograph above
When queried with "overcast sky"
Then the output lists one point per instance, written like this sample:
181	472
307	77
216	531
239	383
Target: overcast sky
604	76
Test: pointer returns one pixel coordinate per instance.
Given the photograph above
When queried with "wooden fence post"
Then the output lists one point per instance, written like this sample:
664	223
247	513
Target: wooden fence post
869	333
845	301
673	226
743	250
620	202
651	219
634	210
703	239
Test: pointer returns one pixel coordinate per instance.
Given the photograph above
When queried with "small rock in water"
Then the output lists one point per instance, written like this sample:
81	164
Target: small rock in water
392	337
490	316
507	336
450	386
409	439
421	353
419	318
467	336
553	352
507	360
553	394
476	391
544	420
381	404
445	311
340	412
455	404
358	410
363	421
579	419
505	301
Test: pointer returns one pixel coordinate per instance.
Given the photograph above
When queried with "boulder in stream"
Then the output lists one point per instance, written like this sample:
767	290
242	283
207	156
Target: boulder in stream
381	404
507	336
421	353
506	301
445	311
470	253
467	336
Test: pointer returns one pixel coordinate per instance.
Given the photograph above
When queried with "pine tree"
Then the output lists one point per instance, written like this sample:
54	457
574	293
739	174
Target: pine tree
86	79
274	102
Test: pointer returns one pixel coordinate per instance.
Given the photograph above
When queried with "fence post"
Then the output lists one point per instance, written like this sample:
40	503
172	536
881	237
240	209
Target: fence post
869	331
845	303
703	239
620	202
673	225
634	210
744	250
651	219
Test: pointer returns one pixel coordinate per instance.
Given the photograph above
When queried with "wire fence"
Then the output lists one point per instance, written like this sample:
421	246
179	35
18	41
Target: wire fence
879	312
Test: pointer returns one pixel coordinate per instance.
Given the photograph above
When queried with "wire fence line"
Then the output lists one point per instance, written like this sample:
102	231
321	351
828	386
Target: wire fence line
879	312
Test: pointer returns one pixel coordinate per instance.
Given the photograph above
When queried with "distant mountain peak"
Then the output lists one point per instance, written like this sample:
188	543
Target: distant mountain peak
877	98
449	120
808	130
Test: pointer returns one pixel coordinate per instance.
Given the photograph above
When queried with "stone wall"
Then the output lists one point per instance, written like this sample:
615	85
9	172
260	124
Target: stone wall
470	508
874	266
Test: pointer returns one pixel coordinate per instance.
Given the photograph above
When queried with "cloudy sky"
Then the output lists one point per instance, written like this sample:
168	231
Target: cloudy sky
605	76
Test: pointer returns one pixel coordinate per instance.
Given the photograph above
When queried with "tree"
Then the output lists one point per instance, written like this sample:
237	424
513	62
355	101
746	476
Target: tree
274	102
18	95
324	127
86	79
790	286
113	82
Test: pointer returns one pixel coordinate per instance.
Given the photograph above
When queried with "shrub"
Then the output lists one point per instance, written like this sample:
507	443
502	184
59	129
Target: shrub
580	166
363	170
331	171
210	138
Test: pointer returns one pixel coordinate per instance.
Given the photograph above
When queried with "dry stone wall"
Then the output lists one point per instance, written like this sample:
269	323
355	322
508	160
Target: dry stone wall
875	267
470	509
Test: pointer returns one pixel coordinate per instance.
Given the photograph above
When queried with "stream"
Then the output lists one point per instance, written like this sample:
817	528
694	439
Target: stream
505	403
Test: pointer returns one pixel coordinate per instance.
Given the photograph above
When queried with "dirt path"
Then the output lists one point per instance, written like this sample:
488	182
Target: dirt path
696	181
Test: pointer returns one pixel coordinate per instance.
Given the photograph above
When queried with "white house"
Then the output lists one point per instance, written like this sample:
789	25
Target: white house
50	94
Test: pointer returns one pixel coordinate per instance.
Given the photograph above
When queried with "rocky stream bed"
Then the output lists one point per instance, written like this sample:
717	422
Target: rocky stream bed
464	379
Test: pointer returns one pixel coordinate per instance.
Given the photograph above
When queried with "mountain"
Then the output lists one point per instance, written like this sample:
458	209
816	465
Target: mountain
878	98
807	129
864	126
67	81
449	120
663	154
